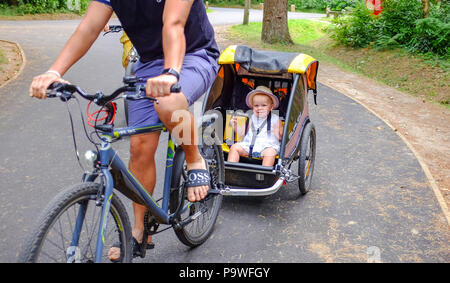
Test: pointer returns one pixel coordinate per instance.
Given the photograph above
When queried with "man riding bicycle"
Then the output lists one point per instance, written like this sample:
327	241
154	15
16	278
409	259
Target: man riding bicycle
175	42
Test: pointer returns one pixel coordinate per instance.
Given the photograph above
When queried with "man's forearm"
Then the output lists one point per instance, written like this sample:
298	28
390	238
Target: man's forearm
96	17
174	46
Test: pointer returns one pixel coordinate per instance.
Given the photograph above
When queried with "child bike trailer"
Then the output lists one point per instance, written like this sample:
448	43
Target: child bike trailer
289	76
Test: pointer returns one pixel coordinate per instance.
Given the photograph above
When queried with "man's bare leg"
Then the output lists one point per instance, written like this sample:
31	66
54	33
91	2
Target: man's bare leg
173	106
142	156
142	165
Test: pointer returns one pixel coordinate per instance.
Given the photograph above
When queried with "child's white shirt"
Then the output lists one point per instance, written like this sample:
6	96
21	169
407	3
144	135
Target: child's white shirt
264	139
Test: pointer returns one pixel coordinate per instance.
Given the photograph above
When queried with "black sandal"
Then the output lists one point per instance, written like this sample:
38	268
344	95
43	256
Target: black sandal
198	177
137	249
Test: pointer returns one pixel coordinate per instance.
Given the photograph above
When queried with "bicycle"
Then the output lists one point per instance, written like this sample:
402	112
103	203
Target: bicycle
85	219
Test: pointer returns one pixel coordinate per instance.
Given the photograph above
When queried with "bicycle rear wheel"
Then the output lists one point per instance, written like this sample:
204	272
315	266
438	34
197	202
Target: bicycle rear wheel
198	231
54	237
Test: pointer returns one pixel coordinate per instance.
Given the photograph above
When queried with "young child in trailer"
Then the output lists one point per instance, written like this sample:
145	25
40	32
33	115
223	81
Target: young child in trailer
264	129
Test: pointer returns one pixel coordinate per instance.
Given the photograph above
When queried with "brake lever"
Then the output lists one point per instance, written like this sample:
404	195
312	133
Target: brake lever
137	96
176	88
54	90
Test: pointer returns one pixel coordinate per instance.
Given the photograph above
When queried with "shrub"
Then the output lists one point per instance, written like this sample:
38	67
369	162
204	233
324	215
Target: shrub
339	5
401	24
431	35
398	19
357	30
44	6
440	10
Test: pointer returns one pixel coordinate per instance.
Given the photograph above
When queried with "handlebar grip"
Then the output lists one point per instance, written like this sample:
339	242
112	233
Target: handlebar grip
175	88
52	89
115	27
55	85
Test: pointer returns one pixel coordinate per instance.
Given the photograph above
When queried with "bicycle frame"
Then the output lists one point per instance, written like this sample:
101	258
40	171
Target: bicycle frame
108	158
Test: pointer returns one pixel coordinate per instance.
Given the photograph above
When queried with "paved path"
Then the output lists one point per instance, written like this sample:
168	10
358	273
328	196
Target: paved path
370	198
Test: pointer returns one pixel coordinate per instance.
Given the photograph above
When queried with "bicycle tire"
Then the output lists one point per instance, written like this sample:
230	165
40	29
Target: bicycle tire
307	154
186	234
65	203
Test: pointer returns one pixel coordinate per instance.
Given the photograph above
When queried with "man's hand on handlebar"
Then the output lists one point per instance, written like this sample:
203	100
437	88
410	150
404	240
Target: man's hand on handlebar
162	85
40	84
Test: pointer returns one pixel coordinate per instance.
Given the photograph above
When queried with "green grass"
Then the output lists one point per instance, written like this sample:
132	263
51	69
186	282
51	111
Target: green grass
314	11
7	10
3	59
302	31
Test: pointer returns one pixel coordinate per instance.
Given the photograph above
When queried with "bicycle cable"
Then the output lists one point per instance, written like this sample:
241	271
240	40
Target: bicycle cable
84	125
97	119
73	130
106	110
73	134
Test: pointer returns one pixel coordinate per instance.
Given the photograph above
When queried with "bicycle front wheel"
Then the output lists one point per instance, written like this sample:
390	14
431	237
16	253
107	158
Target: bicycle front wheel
198	231
67	229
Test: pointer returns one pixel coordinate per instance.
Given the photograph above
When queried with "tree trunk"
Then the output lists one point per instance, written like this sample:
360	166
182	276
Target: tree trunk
246	11
275	24
426	8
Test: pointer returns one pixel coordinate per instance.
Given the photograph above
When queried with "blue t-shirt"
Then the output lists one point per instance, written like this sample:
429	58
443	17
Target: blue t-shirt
142	21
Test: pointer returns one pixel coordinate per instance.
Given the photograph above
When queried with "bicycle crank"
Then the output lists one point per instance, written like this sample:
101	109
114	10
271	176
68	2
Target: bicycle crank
191	218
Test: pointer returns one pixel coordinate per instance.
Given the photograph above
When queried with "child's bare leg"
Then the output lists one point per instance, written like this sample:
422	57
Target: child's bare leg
268	156
235	151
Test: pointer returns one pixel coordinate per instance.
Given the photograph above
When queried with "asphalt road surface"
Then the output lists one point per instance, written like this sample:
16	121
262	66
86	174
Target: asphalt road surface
370	200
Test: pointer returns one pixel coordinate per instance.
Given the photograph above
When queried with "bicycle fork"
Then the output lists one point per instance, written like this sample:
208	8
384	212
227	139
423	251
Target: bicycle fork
108	194
73	252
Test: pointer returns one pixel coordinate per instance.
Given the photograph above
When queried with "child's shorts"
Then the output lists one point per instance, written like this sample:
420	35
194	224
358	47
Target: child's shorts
197	74
258	148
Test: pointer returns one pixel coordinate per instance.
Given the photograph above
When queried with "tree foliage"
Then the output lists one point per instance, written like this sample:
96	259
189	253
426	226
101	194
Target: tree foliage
401	24
45	6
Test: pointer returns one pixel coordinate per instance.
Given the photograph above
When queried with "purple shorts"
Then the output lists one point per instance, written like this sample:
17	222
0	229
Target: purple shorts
197	74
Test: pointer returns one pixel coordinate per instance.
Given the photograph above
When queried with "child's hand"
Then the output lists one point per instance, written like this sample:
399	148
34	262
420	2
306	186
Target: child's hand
233	121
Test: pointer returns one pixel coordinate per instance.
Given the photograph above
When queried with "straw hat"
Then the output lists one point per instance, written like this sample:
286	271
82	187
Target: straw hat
262	90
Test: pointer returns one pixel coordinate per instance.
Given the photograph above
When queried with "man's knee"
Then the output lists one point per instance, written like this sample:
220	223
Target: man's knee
143	147
169	104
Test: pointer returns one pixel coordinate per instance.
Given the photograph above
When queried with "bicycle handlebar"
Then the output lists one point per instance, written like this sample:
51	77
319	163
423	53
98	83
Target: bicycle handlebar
66	91
114	28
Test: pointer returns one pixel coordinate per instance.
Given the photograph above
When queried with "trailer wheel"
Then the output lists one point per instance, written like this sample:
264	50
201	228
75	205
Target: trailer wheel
307	154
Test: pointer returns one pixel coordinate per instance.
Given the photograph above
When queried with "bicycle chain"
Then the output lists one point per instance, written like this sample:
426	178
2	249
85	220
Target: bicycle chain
150	224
